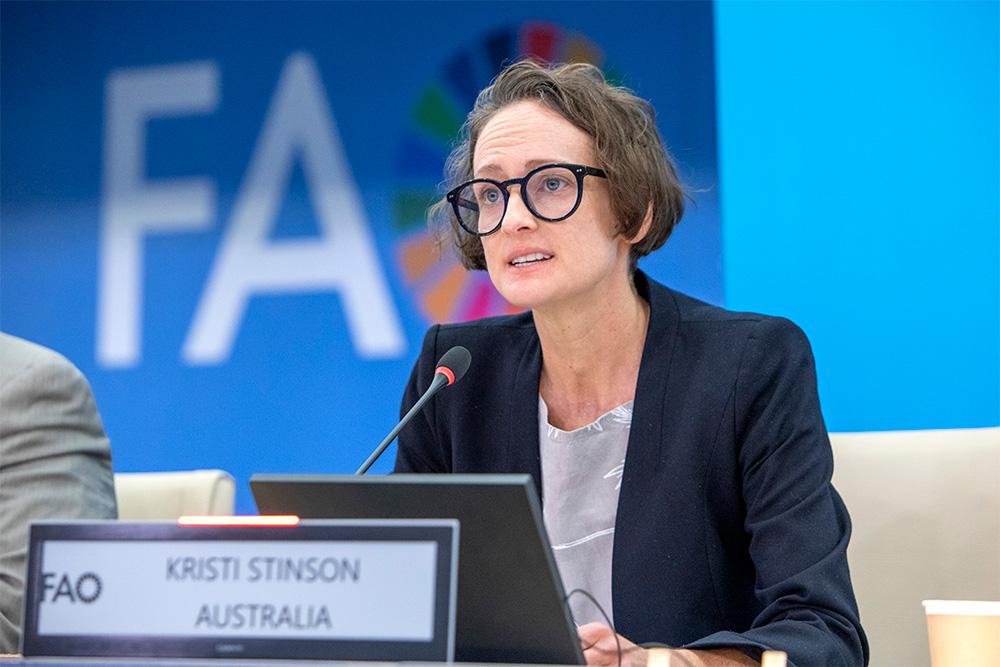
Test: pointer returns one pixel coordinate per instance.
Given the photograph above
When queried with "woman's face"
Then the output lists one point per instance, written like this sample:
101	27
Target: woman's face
568	262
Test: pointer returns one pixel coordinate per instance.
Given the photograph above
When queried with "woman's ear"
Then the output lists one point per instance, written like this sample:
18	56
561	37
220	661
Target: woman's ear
647	222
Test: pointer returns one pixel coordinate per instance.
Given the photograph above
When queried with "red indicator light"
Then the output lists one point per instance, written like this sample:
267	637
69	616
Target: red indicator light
276	520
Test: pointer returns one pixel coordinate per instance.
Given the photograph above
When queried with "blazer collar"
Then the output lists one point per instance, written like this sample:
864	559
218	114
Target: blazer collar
650	395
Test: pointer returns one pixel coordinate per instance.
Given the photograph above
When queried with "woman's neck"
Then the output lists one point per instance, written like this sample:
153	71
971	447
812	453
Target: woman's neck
591	354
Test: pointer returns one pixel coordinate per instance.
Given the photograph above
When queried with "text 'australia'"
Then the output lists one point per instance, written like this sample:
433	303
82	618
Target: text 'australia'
252	616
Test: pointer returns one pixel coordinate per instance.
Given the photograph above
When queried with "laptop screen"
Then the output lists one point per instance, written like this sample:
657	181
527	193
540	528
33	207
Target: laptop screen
511	603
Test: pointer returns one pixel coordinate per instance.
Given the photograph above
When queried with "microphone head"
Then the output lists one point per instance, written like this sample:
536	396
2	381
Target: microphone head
454	364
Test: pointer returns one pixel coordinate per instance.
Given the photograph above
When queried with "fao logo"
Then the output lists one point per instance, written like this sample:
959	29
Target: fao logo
85	589
442	290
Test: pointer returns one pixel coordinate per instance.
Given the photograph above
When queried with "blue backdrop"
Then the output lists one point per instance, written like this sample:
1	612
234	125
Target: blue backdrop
215	209
859	156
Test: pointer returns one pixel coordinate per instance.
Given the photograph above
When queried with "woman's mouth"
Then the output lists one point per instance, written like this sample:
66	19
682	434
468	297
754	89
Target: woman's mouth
529	259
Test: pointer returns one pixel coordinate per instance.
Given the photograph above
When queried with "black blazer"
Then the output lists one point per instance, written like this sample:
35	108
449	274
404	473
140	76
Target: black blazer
728	531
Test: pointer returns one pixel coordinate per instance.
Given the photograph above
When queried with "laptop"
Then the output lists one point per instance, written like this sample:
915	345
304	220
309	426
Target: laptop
511	604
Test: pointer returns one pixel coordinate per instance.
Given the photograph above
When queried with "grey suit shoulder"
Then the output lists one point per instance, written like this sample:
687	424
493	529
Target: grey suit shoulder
55	460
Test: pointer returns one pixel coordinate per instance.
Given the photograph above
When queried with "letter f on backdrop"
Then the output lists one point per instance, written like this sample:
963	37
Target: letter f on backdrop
133	206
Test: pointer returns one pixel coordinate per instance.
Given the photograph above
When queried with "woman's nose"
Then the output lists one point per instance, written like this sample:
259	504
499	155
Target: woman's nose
518	215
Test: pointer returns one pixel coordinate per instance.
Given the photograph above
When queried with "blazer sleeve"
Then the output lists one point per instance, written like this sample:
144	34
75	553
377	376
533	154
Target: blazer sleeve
420	448
798	525
55	463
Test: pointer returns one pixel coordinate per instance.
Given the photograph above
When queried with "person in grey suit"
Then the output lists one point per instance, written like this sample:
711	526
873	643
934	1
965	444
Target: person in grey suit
55	460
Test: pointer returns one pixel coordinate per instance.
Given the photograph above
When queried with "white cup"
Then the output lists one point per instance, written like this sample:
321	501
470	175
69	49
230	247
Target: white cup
963	633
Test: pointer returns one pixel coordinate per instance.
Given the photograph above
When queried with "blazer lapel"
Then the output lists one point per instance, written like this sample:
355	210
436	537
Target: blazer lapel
645	436
645	445
522	413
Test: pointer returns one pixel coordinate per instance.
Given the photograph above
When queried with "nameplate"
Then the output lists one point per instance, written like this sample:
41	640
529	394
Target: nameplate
336	590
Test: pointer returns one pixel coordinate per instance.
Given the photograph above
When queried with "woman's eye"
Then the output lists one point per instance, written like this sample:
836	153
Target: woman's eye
553	184
488	196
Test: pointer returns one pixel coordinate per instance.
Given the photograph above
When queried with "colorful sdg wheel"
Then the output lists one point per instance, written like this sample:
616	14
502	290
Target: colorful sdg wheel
443	289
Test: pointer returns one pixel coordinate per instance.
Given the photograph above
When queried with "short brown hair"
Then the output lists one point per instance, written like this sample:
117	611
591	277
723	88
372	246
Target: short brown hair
628	147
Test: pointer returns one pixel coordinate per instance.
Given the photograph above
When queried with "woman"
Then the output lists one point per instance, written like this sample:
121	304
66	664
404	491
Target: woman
679	448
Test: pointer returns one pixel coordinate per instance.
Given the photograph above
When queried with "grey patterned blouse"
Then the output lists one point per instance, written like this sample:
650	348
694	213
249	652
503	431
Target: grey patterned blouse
581	477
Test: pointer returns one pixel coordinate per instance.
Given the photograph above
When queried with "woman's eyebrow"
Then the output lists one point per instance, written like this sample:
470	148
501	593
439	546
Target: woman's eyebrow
493	170
487	170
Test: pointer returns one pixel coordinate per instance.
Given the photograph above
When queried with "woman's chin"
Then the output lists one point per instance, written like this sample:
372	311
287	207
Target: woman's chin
529	297
525	297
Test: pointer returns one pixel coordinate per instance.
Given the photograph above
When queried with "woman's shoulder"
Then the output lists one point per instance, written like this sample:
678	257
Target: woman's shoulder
494	335
490	325
697	317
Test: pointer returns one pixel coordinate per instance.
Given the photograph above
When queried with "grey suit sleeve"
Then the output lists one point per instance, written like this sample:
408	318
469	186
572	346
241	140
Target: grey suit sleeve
55	463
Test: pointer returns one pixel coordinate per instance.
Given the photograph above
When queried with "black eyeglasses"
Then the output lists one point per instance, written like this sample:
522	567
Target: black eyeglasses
552	192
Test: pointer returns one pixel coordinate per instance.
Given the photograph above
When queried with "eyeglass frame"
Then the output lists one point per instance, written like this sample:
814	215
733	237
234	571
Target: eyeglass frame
579	170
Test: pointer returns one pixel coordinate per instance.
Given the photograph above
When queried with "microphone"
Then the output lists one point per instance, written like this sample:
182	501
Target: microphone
450	369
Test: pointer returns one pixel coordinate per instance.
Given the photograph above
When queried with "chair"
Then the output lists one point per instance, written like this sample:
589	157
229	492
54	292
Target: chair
925	506
169	495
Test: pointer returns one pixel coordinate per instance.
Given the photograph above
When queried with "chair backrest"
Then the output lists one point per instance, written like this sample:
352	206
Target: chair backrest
925	506
169	495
